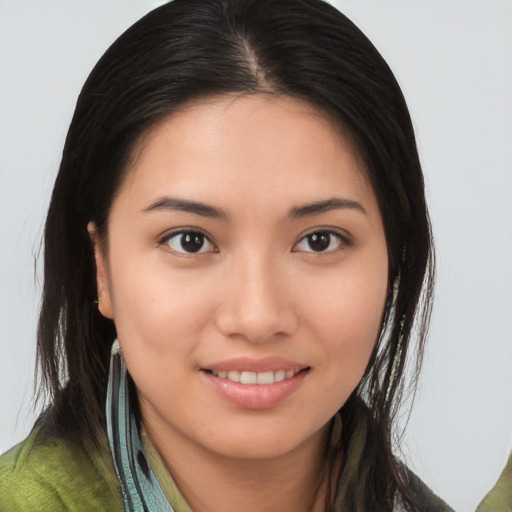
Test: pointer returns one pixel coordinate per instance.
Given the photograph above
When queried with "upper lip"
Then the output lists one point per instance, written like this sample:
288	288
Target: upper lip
265	364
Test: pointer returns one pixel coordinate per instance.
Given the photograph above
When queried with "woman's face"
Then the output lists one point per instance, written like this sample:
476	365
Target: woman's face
246	273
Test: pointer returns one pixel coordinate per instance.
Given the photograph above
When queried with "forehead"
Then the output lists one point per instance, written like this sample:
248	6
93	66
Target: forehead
249	145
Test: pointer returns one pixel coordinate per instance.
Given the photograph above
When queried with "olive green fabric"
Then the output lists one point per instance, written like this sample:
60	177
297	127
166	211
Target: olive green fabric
499	499
49	473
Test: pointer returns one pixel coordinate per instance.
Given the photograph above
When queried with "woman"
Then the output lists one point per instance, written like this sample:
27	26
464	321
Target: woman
240	207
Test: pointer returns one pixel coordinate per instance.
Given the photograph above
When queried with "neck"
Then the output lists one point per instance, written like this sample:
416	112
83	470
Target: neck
292	482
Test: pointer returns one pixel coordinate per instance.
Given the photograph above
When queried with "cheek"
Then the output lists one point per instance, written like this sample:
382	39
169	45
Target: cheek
157	312
160	323
349	303
346	318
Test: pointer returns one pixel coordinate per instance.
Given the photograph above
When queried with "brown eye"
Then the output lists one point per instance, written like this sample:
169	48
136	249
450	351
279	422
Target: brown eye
320	241
190	242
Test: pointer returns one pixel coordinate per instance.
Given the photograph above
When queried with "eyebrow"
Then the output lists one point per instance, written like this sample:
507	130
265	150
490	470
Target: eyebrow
184	205
205	210
334	203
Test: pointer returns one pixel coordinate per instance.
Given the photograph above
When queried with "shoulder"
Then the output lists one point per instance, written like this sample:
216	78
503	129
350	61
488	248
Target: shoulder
499	498
52	473
425	499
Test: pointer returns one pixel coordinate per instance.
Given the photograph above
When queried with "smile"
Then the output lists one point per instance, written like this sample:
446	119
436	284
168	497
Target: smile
253	389
255	383
247	377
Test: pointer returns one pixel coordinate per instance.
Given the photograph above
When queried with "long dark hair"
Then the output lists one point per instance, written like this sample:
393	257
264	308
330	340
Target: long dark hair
192	48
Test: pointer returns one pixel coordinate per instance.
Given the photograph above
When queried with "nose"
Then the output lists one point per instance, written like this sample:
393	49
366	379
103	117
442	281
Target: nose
255	302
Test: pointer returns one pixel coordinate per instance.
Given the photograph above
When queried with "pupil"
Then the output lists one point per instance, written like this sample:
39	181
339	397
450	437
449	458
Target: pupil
319	241
192	242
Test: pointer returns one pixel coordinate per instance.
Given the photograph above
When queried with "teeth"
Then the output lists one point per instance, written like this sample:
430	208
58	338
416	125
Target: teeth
254	377
234	376
279	375
265	378
248	378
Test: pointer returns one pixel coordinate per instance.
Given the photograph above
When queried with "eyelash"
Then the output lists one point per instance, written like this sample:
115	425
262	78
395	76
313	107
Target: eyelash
321	236
188	233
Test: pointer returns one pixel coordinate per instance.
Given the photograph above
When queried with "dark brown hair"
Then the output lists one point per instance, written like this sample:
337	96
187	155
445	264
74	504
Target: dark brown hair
187	49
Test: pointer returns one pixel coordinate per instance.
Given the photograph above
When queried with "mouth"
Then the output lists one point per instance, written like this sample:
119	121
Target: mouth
259	378
255	383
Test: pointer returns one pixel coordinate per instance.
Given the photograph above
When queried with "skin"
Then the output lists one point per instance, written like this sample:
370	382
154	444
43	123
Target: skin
255	289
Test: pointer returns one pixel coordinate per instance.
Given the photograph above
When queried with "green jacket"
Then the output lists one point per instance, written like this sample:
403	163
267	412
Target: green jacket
499	499
40	474
51	473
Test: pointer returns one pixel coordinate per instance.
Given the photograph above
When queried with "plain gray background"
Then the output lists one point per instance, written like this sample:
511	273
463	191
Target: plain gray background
453	59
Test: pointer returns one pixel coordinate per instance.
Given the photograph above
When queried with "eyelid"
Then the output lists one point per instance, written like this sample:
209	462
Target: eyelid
164	240
344	240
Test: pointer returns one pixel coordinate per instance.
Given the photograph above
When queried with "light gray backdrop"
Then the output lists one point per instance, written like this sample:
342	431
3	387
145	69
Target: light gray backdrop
453	59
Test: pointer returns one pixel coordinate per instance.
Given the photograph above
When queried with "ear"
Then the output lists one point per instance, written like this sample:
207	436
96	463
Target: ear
102	275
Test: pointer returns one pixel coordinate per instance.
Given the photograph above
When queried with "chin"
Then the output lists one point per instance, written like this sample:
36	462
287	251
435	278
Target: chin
264	442
254	448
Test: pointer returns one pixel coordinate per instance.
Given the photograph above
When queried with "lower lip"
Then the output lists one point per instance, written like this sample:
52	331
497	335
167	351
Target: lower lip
256	396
